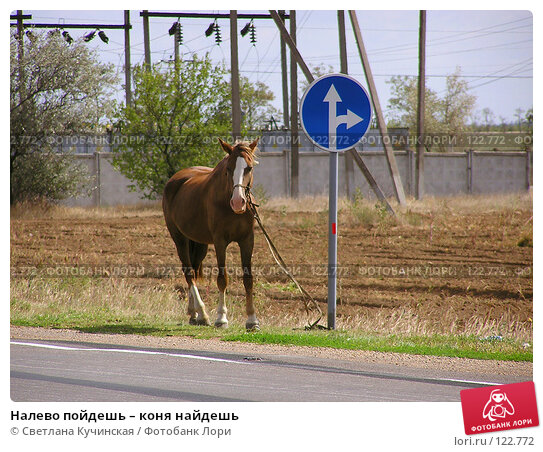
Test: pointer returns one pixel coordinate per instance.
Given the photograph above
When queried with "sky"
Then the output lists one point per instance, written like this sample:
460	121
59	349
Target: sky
492	48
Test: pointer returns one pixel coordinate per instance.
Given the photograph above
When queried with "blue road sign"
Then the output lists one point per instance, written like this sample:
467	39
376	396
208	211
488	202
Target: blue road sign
335	112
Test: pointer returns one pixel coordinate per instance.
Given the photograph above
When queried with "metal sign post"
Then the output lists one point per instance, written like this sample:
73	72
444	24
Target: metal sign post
335	114
332	239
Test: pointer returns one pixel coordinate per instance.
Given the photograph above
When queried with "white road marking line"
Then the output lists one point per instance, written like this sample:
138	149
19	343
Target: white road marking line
121	350
486	383
206	358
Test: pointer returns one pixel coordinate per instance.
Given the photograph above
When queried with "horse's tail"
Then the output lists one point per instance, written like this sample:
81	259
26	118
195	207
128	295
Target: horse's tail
197	253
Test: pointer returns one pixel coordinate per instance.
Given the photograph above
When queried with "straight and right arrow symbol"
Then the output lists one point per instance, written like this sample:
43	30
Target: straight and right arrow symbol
350	119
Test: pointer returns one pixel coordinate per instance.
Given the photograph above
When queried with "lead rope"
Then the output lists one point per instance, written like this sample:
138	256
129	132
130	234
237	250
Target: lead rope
279	260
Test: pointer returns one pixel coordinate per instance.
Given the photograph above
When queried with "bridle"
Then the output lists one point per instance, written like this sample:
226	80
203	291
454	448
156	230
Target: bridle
245	187
248	195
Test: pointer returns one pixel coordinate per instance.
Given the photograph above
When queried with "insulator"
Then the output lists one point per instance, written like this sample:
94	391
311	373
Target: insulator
252	34
67	37
180	34
88	37
210	29
103	36
245	29
173	29
218	38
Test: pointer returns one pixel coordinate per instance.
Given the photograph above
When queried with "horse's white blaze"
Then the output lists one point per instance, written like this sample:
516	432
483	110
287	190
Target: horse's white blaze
238	196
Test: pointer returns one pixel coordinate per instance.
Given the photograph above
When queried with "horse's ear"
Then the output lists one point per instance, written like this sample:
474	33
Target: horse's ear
227	147
252	146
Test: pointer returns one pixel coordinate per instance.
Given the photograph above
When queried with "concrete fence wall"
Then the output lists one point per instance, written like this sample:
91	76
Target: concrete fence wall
445	174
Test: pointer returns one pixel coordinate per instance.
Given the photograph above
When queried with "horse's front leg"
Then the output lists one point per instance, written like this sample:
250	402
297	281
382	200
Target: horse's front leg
222	282
246	248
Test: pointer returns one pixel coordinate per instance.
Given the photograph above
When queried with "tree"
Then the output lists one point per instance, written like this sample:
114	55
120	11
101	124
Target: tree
176	116
56	89
488	117
446	115
457	105
255	104
403	105
519	116
317	71
530	119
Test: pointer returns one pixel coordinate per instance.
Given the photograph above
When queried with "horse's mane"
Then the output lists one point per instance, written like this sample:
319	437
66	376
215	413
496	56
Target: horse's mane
251	154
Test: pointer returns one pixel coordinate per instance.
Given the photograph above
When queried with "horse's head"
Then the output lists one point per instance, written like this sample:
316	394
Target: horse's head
239	169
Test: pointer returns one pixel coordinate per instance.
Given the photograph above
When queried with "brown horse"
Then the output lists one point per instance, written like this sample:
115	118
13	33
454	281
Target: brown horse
204	206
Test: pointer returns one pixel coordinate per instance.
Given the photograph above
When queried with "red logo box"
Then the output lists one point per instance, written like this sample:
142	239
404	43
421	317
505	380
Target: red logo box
496	408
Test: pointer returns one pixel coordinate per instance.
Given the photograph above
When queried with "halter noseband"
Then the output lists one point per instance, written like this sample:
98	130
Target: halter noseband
246	189
248	196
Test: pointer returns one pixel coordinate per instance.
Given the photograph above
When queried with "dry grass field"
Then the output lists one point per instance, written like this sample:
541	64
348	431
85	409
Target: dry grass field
459	266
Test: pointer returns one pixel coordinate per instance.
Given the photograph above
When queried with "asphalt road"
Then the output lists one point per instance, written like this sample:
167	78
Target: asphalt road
69	371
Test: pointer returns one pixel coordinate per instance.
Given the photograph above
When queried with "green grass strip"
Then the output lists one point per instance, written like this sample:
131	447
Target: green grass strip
438	345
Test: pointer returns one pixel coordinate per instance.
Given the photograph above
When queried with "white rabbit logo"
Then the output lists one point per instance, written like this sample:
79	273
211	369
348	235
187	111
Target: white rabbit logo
498	406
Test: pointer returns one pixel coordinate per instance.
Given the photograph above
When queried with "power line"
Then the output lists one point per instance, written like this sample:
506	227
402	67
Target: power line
404	47
453	52
414	75
510	75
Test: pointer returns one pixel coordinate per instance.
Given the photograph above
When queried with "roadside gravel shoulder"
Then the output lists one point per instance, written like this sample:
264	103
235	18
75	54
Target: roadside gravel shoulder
498	368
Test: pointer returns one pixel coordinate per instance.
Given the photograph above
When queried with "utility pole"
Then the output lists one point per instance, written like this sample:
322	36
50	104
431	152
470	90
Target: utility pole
294	138
349	171
20	34
419	170
291	44
146	40
236	106
127	65
20	52
389	152
342	42
284	77
176	47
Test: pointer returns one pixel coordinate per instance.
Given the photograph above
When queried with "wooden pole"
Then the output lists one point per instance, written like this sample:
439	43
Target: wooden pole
349	171
419	166
342	42
146	40
284	76
369	177
234	81
20	53
389	153
20	33
127	65
294	136
292	45
176	48
298	57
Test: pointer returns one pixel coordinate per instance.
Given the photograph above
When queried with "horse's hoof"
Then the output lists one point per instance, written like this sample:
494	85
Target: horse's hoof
221	324
193	321
252	326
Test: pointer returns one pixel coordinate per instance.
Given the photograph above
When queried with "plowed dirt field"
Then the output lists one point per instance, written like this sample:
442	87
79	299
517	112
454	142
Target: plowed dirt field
444	268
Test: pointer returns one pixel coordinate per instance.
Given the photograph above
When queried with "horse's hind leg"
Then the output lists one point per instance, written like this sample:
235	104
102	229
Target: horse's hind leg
196	307
197	253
